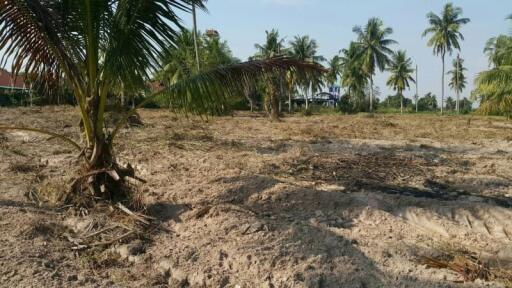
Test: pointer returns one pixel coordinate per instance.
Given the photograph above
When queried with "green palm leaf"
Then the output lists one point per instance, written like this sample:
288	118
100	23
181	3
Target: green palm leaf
206	92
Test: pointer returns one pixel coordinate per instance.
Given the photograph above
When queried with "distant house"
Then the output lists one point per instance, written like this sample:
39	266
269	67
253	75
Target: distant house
329	99
10	83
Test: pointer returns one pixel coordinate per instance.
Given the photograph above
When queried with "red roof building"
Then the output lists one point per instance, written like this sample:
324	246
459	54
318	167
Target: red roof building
9	81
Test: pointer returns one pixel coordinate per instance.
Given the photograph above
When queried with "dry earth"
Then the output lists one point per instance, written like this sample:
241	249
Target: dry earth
322	201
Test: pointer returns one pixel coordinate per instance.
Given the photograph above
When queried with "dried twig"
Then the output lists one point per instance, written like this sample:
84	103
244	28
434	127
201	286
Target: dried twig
132	214
100	231
104	243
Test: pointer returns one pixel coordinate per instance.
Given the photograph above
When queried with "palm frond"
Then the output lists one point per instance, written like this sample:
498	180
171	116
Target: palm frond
206	92
41	131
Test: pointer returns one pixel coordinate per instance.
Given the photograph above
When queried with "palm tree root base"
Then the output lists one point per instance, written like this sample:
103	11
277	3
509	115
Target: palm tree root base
108	184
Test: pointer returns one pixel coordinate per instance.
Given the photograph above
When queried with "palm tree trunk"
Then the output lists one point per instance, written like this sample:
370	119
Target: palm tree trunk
290	101
275	107
196	48
30	93
401	103
371	94
274	104
306	95
458	84
442	88
457	104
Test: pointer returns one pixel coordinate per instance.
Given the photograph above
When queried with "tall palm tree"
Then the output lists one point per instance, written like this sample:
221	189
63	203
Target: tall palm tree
334	67
273	47
99	44
353	79
401	74
305	49
374	48
458	79
445	31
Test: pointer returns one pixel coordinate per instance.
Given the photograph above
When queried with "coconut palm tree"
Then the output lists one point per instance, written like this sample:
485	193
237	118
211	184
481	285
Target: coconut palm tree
374	49
445	35
305	49
494	86
273	47
353	78
99	44
334	67
499	50
458	80
401	74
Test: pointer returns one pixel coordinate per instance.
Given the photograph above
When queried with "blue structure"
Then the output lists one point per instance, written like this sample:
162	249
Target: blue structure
329	99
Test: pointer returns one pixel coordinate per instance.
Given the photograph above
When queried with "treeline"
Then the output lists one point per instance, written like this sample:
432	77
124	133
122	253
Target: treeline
353	69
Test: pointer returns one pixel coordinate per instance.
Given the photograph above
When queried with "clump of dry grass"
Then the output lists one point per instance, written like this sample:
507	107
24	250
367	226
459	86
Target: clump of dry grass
52	192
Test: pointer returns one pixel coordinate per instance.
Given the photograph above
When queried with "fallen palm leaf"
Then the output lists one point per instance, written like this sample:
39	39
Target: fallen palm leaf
469	268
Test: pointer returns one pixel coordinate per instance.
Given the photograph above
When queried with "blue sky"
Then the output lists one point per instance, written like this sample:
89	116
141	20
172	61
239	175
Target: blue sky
243	23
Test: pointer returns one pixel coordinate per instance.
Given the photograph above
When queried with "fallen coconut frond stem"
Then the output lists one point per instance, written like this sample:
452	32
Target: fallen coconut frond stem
139	179
103	243
132	214
100	231
113	240
113	174
40	131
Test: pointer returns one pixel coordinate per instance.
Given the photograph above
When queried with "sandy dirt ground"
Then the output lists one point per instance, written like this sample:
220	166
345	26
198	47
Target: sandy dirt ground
321	201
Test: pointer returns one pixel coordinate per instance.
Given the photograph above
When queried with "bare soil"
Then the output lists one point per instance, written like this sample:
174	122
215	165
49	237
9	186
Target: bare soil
321	201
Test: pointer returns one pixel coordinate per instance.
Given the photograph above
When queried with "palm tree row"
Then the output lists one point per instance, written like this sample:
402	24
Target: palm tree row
371	52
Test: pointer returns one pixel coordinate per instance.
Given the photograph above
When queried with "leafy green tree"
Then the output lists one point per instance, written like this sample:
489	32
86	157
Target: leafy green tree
427	102
458	80
216	52
374	49
494	86
445	35
451	104
396	102
466	106
305	49
179	60
98	45
401	74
